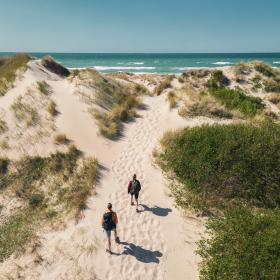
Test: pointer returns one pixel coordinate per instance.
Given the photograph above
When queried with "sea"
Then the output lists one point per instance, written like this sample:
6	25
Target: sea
154	63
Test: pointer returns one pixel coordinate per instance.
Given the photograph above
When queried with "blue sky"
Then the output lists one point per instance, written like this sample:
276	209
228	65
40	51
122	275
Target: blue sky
140	25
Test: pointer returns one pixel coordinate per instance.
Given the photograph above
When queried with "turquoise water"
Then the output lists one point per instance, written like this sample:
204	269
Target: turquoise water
155	63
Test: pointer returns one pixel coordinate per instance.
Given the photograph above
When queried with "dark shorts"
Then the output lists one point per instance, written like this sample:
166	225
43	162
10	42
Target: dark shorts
108	232
136	195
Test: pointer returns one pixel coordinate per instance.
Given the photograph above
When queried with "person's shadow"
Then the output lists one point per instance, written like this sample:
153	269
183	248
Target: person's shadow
141	254
156	210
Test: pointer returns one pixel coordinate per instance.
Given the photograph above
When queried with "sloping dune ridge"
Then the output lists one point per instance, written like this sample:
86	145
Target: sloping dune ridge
159	242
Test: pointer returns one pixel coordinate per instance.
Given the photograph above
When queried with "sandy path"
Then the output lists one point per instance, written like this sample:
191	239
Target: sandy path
156	243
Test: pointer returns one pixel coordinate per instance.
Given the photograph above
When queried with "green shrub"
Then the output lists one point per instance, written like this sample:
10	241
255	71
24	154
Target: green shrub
242	246
235	99
4	163
9	69
238	162
218	79
36	200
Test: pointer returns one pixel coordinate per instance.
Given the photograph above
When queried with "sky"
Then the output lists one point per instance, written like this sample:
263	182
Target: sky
140	25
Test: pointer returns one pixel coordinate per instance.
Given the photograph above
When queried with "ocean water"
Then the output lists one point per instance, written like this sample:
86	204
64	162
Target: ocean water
155	63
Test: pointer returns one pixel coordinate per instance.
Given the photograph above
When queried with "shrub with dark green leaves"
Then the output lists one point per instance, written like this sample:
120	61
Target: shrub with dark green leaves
227	163
36	200
218	79
242	246
235	99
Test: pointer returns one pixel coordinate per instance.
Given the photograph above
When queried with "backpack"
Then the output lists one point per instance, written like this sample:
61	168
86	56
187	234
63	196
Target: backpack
108	221
135	186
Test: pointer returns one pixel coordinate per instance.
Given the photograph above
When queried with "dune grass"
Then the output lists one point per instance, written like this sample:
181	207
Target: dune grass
264	69
218	79
25	113
44	87
55	186
52	110
164	84
9	70
235	99
171	97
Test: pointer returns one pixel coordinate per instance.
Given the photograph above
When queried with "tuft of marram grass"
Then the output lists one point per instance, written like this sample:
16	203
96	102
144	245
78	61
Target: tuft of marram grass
60	139
52	109
165	84
44	87
172	99
9	70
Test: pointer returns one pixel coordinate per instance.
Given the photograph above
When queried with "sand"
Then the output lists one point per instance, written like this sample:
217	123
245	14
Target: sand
159	242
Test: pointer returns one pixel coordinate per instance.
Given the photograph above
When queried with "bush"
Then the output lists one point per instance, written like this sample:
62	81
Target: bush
238	162
36	200
218	79
235	99
4	163
242	245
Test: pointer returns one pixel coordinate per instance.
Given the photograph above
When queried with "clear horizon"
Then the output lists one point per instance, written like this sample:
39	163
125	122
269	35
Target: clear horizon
183	26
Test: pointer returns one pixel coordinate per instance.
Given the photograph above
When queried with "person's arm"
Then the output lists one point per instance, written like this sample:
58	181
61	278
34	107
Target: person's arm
129	187
115	218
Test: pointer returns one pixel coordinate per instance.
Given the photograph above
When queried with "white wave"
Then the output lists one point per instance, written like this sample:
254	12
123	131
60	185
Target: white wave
222	63
276	62
137	63
103	68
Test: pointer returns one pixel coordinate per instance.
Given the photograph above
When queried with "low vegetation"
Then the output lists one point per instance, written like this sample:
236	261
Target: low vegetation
235	99
264	69
9	67
218	79
171	97
272	85
60	139
118	102
55	186
52	109
232	173
274	98
44	87
24	112
164	84
224	162
242	245
55	67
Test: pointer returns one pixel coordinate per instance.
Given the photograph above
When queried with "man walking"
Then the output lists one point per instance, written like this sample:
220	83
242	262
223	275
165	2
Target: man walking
109	223
134	188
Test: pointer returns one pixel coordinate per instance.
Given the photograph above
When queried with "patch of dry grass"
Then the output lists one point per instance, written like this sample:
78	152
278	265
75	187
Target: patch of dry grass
60	139
172	99
274	98
52	109
24	112
164	84
44	87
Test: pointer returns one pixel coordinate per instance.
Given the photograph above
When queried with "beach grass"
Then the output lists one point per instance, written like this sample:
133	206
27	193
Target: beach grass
9	69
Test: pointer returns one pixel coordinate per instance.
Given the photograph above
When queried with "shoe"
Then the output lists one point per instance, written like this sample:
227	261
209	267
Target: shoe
132	203
117	240
108	251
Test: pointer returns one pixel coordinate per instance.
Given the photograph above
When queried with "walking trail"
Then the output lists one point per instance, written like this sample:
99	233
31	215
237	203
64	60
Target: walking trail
157	242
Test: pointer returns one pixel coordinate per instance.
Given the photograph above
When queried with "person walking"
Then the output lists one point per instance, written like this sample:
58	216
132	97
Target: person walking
109	223
134	188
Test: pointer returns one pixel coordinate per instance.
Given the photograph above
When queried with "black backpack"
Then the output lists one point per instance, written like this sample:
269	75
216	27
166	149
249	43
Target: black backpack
108	221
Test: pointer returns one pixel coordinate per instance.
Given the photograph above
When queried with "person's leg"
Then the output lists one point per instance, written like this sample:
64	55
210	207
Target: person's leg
108	234
109	243
131	201
116	235
136	199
